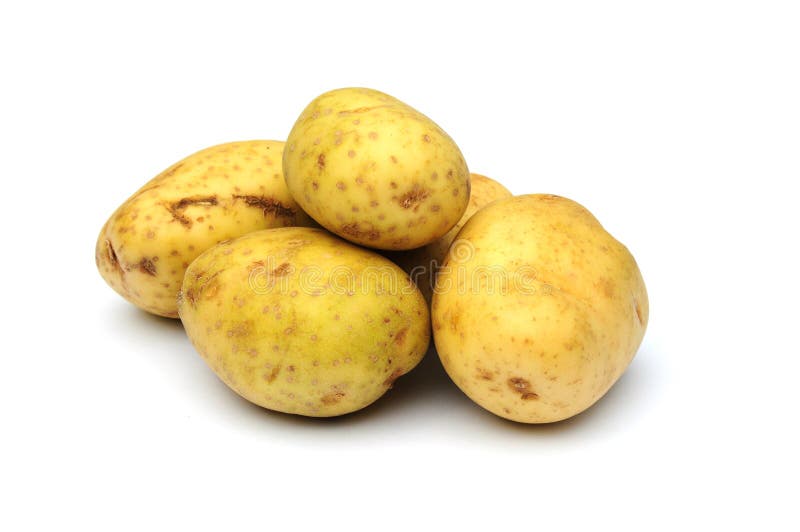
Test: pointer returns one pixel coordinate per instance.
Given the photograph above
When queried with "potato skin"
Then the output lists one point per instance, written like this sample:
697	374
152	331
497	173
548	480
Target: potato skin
421	263
299	321
538	309
374	170
213	195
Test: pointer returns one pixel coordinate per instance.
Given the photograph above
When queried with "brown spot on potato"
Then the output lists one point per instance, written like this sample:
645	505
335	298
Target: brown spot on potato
272	374
240	330
332	398
413	197
393	159
606	286
283	269
400	336
355	231
176	208
523	388
112	256
340	185
485	374
321	161
426	138
267	205
146	266
315	185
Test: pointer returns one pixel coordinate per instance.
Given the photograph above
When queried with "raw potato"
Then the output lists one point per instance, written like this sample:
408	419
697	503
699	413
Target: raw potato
422	263
375	171
218	193
299	321
541	309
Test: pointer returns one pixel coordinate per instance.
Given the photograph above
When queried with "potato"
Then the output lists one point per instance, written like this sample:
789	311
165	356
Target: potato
421	263
537	310
218	193
375	171
299	321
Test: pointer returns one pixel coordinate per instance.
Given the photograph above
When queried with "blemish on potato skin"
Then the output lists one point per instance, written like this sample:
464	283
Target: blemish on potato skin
176	208
282	270
400	336
112	256
522	387
390	380
321	161
332	398
267	205
413	197
353	230
606	286
273	374
240	330
485	374
638	311
146	266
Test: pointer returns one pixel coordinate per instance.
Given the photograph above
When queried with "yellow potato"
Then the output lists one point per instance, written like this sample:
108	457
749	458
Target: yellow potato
216	194
375	171
299	321
537	310
421	263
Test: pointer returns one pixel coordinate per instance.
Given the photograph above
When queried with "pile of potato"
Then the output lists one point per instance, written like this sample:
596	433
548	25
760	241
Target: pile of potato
309	275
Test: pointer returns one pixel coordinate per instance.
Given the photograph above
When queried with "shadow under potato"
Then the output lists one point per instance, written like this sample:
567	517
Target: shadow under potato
429	389
425	389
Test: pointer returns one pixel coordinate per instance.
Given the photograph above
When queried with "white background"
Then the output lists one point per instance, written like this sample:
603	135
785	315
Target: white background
676	123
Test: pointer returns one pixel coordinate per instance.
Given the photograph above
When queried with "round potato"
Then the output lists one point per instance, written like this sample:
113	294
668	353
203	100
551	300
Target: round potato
537	310
216	194
375	171
299	321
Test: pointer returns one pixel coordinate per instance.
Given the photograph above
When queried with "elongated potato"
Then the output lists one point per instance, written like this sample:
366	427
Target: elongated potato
216	194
